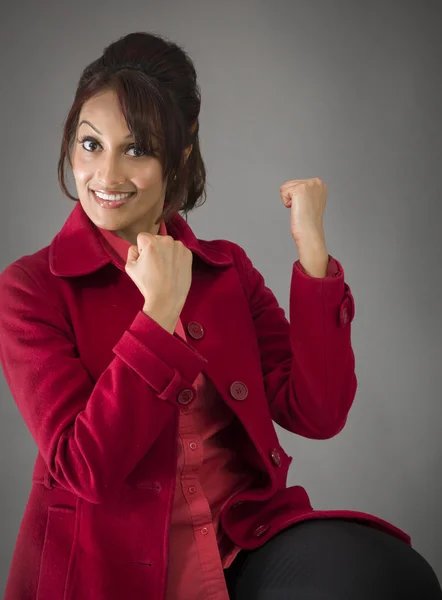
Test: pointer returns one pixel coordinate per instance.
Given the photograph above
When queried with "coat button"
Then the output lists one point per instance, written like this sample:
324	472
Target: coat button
261	530
238	390
195	330
185	397
276	457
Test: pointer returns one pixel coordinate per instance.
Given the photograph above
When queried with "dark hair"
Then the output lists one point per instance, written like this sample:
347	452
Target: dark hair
157	88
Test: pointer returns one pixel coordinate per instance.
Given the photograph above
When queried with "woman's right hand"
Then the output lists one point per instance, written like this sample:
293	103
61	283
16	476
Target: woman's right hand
161	268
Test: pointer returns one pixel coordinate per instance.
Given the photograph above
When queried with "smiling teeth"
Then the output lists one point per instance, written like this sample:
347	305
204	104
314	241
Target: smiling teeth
113	197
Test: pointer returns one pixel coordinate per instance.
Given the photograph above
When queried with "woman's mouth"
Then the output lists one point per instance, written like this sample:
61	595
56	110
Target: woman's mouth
112	203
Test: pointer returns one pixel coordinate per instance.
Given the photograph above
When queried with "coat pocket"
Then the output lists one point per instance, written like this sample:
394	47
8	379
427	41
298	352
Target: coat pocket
56	553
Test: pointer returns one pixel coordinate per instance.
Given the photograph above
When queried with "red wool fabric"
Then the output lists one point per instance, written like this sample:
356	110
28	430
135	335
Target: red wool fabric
157	454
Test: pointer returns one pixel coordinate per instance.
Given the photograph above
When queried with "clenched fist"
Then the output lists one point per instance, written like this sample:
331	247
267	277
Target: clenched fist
161	268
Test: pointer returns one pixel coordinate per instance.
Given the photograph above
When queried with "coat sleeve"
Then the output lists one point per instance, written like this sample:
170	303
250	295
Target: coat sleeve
90	435
308	364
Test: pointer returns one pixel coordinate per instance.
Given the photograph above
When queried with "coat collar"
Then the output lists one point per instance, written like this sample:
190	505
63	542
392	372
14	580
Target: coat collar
77	249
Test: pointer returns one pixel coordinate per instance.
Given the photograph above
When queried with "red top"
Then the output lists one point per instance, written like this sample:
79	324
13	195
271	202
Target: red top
206	478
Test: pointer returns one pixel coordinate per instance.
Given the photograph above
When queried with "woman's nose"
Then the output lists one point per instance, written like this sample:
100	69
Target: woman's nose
108	183
110	177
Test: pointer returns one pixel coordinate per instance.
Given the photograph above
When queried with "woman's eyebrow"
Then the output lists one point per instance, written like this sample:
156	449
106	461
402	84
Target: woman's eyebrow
99	132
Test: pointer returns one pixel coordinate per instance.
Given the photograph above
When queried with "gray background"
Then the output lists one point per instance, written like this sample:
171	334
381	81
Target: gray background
348	91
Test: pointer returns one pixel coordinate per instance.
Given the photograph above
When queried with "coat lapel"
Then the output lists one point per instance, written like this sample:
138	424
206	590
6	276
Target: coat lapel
78	249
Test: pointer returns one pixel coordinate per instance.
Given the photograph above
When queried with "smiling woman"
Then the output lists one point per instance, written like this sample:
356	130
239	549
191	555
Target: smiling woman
151	382
133	128
109	163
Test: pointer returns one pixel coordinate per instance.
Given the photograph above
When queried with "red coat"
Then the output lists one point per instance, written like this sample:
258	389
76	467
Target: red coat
97	381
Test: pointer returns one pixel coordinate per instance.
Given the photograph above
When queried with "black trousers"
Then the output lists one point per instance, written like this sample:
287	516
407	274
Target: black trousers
332	560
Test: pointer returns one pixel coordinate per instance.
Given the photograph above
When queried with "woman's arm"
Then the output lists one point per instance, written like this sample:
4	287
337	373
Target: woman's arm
91	436
308	364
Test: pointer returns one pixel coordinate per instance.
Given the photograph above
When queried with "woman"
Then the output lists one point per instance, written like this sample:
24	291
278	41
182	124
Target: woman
149	366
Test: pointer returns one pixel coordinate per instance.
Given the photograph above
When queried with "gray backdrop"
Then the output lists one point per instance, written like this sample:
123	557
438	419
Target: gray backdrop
349	91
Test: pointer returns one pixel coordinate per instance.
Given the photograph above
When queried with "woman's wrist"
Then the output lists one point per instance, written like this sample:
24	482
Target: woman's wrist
166	321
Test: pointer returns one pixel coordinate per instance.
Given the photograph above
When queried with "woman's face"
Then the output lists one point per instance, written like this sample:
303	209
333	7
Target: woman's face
107	160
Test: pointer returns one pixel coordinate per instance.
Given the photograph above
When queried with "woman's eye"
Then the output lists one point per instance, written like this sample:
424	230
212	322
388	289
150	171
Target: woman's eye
88	140
136	150
85	141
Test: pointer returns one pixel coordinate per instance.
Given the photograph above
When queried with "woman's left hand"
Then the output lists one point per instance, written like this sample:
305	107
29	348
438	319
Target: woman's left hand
307	198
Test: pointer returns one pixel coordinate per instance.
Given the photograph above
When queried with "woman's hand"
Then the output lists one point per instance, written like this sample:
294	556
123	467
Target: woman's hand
161	268
307	199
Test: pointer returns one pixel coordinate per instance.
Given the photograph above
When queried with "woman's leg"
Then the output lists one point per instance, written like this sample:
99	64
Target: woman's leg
332	560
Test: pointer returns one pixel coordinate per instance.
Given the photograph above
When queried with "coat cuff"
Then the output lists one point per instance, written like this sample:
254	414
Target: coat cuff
166	362
333	269
331	291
